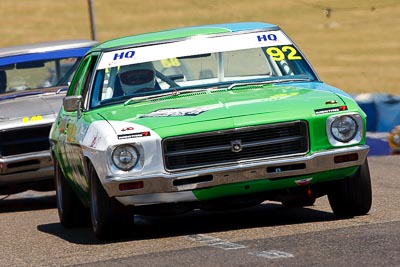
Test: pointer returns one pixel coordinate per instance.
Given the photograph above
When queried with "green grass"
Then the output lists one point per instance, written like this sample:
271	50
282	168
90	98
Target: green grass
356	49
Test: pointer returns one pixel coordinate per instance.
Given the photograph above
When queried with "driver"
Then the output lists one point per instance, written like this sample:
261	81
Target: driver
137	78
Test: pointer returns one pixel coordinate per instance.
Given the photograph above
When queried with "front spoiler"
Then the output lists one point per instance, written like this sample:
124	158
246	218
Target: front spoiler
171	187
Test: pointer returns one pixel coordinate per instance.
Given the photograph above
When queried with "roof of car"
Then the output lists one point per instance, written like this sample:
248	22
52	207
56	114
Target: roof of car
45	51
185	32
44	47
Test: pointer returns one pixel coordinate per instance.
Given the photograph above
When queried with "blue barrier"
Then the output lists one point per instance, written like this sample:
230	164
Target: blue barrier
383	111
367	104
383	114
378	144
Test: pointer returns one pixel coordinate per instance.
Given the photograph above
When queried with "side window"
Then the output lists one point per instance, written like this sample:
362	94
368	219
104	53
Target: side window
85	91
79	77
76	82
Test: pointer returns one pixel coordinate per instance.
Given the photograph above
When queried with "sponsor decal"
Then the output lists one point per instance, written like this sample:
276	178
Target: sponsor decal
329	110
120	58
133	135
267	37
124	54
176	112
127	129
94	140
303	182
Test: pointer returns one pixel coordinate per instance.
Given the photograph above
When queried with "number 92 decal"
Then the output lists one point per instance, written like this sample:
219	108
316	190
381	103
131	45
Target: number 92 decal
279	54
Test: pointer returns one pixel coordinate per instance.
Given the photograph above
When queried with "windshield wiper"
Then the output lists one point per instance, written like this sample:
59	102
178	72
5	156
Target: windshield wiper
268	82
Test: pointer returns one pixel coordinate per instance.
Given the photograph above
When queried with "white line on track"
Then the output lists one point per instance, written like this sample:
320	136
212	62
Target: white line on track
272	254
226	245
215	242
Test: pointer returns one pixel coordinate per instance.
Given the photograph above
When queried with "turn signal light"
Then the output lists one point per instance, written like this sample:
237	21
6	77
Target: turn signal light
346	158
131	186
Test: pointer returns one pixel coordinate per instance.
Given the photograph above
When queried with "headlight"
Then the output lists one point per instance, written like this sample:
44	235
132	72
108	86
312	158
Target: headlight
125	157
345	129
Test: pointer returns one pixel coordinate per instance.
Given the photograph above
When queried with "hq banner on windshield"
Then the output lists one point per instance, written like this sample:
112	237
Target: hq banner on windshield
193	46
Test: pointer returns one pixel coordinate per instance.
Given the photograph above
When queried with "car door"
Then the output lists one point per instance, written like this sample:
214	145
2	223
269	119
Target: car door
75	125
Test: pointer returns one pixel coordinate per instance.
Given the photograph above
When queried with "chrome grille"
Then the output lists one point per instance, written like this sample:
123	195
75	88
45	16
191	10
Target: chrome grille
231	146
24	140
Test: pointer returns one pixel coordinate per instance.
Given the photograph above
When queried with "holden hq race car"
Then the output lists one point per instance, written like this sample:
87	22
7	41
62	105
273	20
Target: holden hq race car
211	117
33	81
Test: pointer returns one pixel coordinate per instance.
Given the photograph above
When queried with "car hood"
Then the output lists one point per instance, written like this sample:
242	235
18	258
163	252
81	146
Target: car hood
17	105
226	109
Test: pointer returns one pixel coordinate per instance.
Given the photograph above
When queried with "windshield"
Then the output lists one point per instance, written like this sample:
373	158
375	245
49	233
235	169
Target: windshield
36	74
199	71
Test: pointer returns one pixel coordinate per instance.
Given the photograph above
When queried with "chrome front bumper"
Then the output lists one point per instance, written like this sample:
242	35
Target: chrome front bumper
24	168
167	183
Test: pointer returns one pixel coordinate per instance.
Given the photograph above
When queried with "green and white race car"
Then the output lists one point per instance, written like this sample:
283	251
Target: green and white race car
211	117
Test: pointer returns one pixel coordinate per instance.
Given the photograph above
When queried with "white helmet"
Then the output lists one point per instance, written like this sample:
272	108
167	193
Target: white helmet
137	77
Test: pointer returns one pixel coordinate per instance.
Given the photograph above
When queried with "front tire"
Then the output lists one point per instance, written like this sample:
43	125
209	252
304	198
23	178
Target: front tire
352	196
71	211
109	217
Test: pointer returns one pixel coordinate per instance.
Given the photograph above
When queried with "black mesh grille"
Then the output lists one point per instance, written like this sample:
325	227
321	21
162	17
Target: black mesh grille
213	148
24	140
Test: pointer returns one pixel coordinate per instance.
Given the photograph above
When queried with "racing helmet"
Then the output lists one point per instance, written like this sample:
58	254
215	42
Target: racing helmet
137	77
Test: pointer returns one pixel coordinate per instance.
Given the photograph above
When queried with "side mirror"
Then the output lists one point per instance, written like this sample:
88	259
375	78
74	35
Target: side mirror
72	103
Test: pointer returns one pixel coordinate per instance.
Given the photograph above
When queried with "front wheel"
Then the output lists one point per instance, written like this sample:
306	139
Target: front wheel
109	217
352	196
71	211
